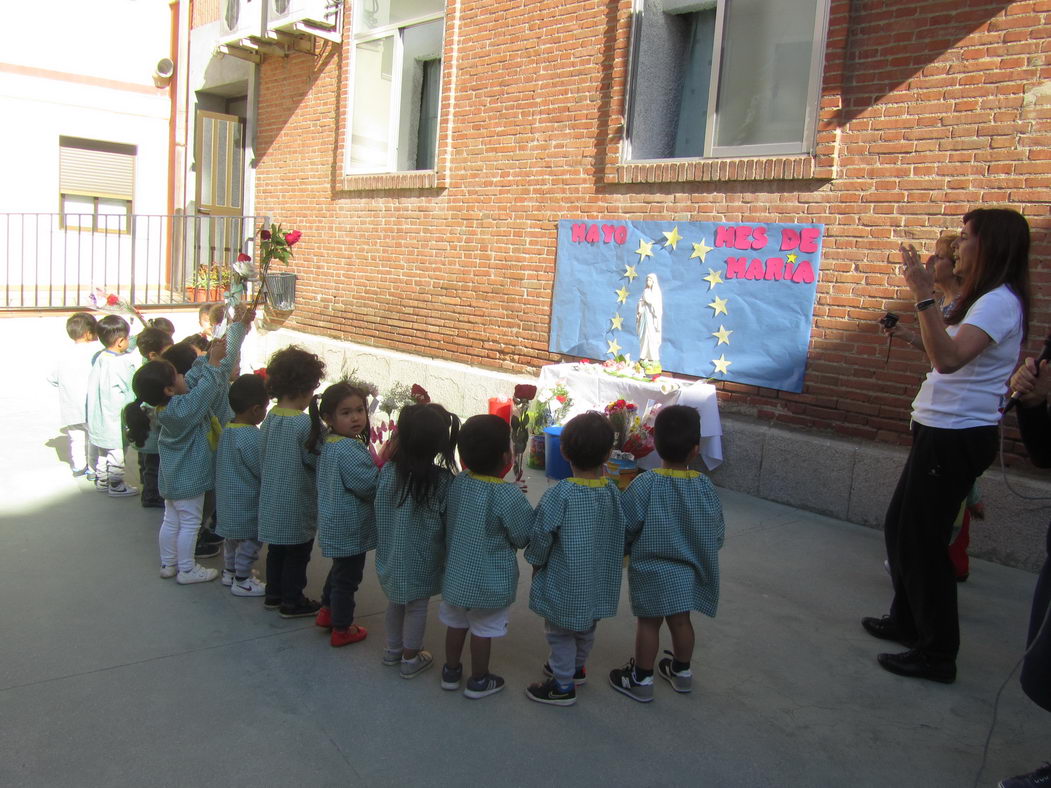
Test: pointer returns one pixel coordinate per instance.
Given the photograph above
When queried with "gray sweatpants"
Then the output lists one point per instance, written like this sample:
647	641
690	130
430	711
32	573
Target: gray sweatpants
239	555
406	624
569	650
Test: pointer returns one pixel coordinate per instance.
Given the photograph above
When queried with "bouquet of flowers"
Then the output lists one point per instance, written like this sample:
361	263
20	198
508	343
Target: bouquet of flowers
632	434
624	367
520	420
113	304
397	397
550	407
274	244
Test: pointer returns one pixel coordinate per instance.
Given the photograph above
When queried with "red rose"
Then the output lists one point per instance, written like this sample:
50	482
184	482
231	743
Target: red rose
525	391
264	235
419	394
243	258
561	399
261	372
292	237
112	300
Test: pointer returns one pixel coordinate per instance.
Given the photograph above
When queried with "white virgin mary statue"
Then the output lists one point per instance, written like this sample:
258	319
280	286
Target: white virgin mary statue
649	315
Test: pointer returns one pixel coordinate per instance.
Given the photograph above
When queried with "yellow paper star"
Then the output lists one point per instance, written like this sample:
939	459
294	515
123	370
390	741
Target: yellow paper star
700	250
792	257
713	278
645	250
723	335
673	238
630	272
719	305
616	322
622	295
614	348
721	364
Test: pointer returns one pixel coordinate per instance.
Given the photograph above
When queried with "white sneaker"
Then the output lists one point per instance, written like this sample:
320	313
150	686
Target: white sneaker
169	571
411	668
122	490
227	578
251	586
198	574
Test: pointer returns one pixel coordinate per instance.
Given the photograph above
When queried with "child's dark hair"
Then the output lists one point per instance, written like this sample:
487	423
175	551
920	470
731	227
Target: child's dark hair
198	341
112	329
152	340
676	432
482	442
326	404
181	356
425	444
81	323
163	323
292	372
148	383
587	440
246	392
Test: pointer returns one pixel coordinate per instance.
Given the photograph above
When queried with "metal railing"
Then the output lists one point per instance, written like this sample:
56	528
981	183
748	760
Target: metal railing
55	261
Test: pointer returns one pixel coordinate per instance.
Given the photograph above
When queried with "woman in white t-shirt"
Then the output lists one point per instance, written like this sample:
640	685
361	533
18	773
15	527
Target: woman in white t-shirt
955	419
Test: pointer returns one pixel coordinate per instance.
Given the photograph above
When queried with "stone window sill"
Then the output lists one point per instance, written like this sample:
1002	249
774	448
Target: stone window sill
385	181
759	168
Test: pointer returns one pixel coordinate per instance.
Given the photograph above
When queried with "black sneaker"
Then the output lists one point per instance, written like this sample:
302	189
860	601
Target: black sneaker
205	550
301	609
451	677
580	677
1041	778
623	680
208	536
550	693
272	602
488	684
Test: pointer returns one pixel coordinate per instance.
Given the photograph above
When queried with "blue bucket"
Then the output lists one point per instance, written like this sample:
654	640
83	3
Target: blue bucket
557	467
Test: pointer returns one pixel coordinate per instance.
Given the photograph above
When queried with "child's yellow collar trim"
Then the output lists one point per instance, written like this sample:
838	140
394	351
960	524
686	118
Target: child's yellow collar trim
335	438
672	473
238	424
483	478
285	411
588	482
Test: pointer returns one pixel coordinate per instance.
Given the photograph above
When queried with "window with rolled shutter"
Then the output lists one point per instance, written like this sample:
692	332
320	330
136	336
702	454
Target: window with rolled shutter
96	184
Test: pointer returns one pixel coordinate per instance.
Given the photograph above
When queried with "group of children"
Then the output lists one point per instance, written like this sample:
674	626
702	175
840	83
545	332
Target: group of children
302	469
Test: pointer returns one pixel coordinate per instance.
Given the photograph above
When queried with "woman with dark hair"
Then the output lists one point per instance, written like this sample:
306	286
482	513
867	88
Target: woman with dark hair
955	419
1034	394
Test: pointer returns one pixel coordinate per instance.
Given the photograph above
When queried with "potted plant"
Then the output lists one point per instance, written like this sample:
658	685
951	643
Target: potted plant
207	282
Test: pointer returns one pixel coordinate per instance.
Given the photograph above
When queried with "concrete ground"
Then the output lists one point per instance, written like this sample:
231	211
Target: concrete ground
112	676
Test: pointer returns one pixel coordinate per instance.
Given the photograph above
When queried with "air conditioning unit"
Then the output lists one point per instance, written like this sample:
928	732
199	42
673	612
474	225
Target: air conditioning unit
305	16
239	19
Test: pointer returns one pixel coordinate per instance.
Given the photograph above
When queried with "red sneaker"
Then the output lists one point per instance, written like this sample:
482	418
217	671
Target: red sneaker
323	618
344	637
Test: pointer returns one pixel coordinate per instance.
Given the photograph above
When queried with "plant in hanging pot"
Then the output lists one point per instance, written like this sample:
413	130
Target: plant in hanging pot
276	244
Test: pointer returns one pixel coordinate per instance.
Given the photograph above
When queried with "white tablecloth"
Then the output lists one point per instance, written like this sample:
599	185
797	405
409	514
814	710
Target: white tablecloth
593	389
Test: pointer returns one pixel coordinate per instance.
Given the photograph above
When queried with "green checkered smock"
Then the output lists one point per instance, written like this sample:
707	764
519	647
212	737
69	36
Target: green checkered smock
237	468
674	531
221	405
187	460
346	485
410	548
287	488
577	544
487	520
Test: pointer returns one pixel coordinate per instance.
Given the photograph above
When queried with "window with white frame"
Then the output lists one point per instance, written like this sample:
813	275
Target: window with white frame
395	85
722	78
96	184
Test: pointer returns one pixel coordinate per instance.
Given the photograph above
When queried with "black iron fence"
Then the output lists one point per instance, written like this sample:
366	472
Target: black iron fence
55	261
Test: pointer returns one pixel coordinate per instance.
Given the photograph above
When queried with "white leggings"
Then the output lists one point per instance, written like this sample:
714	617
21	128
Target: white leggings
406	624
178	536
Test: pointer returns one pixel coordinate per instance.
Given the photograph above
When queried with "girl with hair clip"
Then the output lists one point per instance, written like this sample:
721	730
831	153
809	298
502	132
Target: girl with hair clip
955	425
187	469
410	521
346	485
287	487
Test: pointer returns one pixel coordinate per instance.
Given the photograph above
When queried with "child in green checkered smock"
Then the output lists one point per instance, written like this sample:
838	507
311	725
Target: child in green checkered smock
187	463
237	473
577	547
674	532
288	492
346	485
487	520
410	524
151	343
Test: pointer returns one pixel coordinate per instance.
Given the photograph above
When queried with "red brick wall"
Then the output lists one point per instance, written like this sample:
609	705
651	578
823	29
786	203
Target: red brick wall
927	110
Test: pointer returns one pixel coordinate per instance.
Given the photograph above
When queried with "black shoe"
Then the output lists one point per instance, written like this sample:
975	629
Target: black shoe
1041	778
915	664
205	550
209	537
548	692
301	609
153	504
886	629
580	675
271	602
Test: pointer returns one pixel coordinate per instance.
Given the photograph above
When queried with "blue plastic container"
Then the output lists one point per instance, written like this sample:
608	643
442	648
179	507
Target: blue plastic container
557	467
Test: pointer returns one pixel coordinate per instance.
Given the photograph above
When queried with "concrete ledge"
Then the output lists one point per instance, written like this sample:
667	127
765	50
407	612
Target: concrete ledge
809	470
